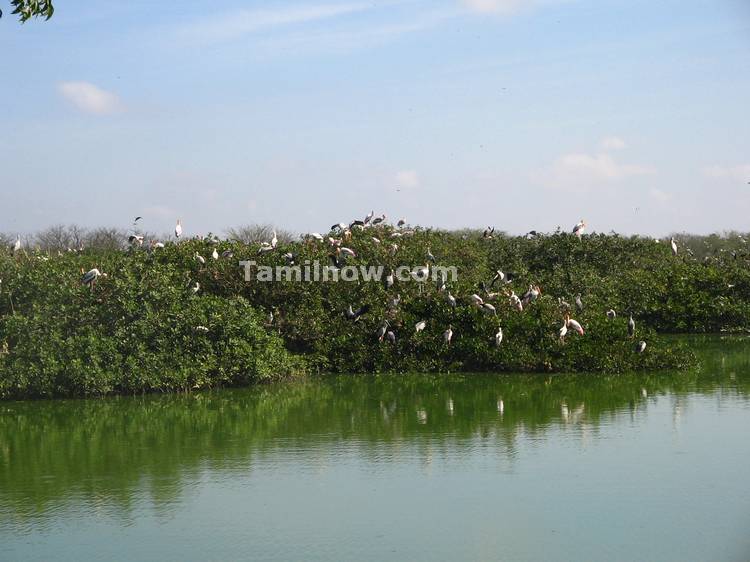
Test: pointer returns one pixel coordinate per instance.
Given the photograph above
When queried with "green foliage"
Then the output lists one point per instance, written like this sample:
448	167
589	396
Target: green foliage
142	328
27	9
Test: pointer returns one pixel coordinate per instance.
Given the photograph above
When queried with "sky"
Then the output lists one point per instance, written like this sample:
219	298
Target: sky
521	114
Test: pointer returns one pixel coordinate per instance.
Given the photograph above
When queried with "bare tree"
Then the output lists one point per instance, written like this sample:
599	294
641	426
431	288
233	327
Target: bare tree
254	233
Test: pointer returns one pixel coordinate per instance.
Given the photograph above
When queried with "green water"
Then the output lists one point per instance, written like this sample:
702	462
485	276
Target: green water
643	467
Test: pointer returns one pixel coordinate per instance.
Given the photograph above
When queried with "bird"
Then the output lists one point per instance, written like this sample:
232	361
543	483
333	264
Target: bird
378	220
488	232
382	330
199	258
178	229
227	254
430	257
16	245
673	244
563	330
574	324
390	336
531	295
401	223
90	277
611	314
369	216
135	240
421	273
136	219
476	300
579	228
389	280
631	326
395	301
499	336
274	240
355	315
448	335
640	347
195	288
348	252
579	302
317	236
499	276
489	309
515	302
451	300
215	254
419	326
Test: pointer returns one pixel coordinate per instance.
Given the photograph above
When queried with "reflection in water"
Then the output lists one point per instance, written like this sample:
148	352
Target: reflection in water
109	456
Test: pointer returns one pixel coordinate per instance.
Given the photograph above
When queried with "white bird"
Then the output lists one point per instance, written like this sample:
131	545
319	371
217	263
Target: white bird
579	228
200	259
368	218
575	325
421	273
90	277
451	300
476	300
419	326
203	329
389	280
274	240
674	246
195	288
382	330
348	252
448	335
215	254
563	331
317	236
640	347
430	257
178	229
631	326
390	336
489	309
499	336
611	314
16	245
579	302
515	302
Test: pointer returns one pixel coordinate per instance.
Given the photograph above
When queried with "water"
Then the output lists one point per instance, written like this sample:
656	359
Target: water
646	467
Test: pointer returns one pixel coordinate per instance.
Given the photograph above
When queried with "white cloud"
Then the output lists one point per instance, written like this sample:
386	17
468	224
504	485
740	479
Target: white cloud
233	25
613	143
495	6
734	173
659	195
90	98
587	170
407	179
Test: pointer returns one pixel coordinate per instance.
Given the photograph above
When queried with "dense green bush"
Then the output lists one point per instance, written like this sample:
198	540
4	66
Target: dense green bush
141	327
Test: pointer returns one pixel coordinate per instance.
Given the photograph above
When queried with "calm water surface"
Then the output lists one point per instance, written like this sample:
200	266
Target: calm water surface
648	467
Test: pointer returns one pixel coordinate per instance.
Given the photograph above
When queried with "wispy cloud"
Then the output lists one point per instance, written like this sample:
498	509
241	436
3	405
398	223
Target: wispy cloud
583	171
613	143
733	173
90	98
347	40
659	195
407	179
233	25
496	6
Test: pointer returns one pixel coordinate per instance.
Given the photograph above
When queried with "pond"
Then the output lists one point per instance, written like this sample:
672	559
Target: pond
417	467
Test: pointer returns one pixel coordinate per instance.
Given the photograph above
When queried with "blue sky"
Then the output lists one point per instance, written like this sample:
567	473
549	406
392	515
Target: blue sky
522	114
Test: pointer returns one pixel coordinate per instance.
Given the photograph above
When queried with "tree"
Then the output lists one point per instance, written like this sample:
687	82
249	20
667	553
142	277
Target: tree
27	9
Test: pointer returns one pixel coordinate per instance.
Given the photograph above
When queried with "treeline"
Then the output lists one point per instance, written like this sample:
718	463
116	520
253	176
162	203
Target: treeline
61	237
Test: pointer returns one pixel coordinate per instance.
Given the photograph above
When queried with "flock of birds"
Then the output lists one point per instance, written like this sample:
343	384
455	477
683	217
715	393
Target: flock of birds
340	252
